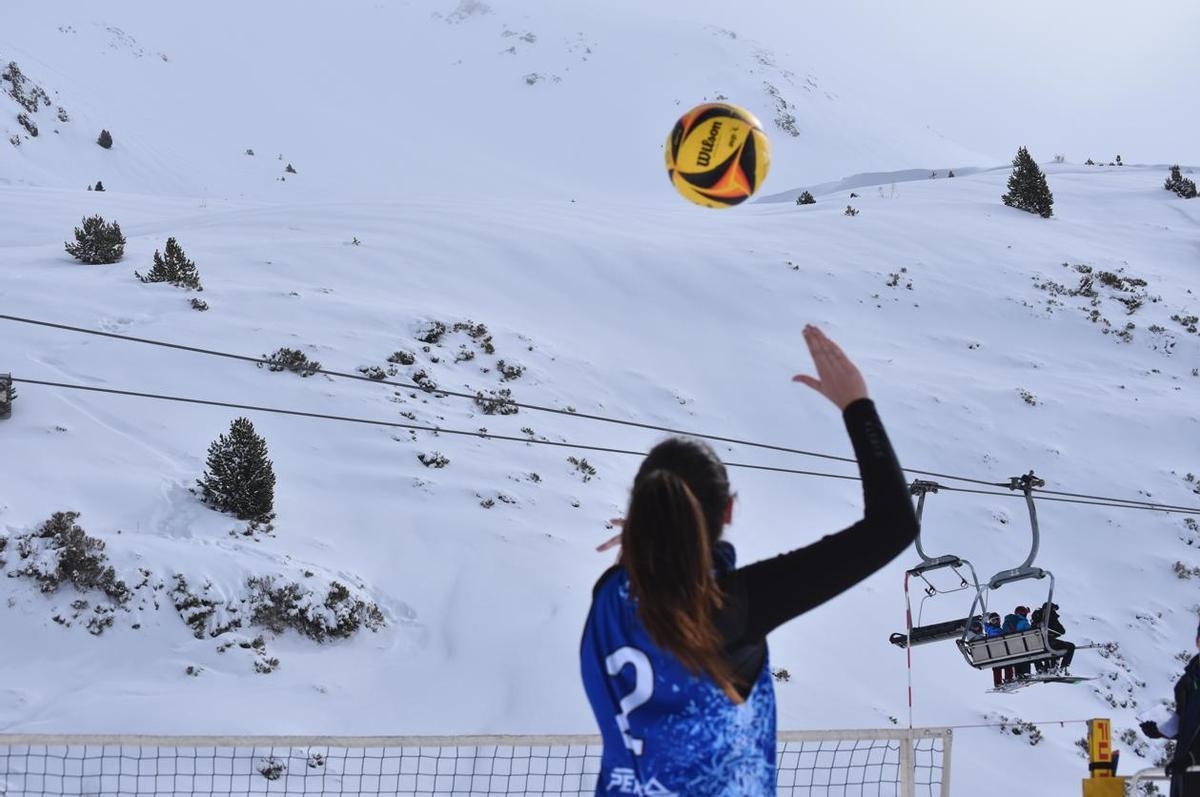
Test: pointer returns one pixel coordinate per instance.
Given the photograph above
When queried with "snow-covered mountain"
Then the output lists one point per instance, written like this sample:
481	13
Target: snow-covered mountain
501	165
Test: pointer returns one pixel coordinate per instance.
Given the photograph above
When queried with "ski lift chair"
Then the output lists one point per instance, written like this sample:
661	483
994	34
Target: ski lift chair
1019	647
950	629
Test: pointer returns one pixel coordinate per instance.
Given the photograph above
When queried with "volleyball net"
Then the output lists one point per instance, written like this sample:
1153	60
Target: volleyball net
854	763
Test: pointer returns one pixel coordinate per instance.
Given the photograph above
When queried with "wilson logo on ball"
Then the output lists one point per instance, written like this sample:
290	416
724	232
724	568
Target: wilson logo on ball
717	155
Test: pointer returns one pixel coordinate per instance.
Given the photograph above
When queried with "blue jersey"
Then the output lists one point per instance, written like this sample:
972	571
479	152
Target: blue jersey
666	731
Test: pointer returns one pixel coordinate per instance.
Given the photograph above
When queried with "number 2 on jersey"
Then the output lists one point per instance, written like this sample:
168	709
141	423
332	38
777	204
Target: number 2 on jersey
643	688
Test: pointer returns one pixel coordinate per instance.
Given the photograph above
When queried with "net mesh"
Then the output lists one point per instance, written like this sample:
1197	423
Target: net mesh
827	767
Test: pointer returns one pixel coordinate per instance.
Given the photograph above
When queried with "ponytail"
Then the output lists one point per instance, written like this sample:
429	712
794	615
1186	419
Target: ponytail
667	550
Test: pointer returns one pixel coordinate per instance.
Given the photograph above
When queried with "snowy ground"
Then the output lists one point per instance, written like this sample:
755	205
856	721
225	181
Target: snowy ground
646	309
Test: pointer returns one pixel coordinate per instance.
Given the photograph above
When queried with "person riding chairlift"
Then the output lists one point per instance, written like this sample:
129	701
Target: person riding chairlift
993	628
1055	630
1015	623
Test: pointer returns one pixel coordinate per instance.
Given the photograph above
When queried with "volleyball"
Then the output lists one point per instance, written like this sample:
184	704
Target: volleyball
717	155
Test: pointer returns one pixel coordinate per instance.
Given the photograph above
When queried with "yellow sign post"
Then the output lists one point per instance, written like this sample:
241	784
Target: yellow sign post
1102	778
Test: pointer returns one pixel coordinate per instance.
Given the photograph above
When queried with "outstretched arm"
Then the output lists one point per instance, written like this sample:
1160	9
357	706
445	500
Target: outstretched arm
788	585
776	590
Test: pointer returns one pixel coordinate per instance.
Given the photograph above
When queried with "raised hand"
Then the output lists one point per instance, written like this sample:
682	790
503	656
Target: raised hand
614	541
837	378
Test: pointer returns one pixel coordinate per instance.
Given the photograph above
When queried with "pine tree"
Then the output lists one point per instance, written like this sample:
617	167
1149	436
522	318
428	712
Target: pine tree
174	268
99	185
805	199
1180	184
97	242
105	139
239	477
1027	189
951	173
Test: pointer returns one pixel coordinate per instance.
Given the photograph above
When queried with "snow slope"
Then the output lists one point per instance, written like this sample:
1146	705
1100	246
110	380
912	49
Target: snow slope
409	100
624	302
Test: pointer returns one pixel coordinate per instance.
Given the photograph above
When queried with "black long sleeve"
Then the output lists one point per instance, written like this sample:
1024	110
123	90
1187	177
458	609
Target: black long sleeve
764	595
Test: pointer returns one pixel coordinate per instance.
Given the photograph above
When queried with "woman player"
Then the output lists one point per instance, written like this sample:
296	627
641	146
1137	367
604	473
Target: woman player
674	651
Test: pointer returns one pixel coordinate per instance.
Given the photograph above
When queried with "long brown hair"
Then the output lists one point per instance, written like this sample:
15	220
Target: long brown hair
675	517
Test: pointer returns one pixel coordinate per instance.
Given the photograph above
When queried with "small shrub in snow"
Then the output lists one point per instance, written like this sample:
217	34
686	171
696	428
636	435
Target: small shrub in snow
271	768
239	477
97	242
1183	571
1181	185
806	198
289	169
1019	727
950	173
895	277
60	552
1188	322
105	139
1089	162
1027	188
478	333
373	372
195	610
173	267
433	333
496	402
294	360
99	185
423	381
584	468
27	94
850	211
434	459
1027	397
24	121
402	358
250	152
509	371
199	304
280	606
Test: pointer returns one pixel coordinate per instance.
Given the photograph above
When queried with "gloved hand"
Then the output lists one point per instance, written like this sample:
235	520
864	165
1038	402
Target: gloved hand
1151	730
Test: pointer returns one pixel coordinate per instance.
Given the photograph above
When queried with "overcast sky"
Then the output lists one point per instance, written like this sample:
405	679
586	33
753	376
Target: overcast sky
1093	78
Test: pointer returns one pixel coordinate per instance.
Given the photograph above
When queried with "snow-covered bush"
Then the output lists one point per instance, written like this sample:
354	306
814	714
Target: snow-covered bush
294	360
105	139
1181	185
434	459
496	402
27	94
30	127
60	552
172	267
97	242
583	467
806	198
279	606
1027	188
509	371
239	477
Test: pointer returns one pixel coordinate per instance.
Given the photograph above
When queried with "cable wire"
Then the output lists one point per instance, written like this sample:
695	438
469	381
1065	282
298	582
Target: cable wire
600	418
512	438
